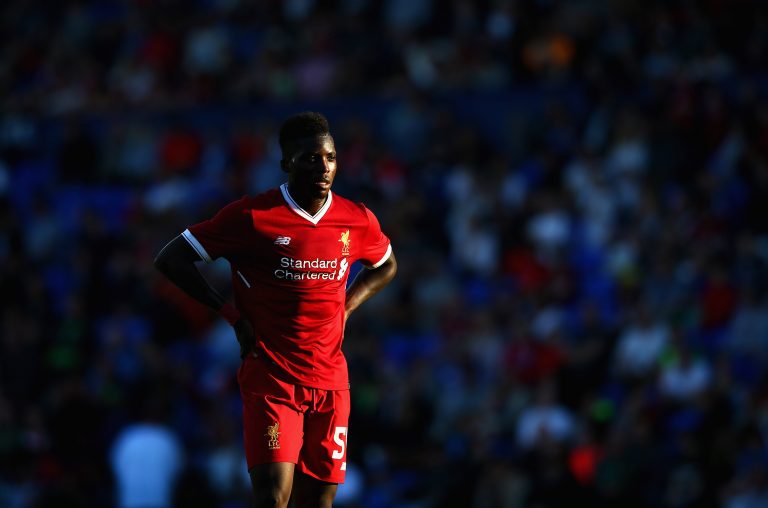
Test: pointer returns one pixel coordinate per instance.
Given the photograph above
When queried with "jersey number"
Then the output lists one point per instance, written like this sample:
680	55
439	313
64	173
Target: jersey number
342	270
342	442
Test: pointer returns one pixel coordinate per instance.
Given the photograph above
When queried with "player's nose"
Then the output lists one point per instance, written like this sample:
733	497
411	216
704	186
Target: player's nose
324	166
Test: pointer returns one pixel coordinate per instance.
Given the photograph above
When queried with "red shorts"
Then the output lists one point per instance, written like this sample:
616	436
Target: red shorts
284	422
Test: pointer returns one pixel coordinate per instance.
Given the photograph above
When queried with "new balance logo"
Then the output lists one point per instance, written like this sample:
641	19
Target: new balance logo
283	240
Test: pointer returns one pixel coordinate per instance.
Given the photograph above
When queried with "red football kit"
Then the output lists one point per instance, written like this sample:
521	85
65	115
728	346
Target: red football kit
289	273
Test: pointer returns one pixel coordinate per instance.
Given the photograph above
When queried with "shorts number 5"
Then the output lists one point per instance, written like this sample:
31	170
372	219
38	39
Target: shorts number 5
342	442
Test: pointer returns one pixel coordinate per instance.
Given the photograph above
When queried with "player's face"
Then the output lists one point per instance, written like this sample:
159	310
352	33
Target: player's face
312	166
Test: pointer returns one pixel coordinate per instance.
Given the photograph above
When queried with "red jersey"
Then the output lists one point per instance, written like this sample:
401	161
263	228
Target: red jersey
289	273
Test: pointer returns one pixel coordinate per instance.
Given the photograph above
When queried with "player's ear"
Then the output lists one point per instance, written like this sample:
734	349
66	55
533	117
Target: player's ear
284	165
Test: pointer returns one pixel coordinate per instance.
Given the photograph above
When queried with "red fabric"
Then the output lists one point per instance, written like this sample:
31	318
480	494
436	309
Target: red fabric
718	302
180	151
283	422
530	361
527	271
230	314
160	50
289	277
583	463
247	149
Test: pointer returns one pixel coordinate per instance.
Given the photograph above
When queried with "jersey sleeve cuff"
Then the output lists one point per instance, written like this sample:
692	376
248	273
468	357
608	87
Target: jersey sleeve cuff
384	258
190	238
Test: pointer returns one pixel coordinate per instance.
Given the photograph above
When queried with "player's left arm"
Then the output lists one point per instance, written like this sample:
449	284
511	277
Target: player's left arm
368	282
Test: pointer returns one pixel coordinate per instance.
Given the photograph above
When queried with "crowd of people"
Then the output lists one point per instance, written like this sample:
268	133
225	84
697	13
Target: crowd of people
577	193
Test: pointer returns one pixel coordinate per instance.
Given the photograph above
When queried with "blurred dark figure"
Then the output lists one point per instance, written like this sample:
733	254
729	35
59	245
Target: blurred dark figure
79	155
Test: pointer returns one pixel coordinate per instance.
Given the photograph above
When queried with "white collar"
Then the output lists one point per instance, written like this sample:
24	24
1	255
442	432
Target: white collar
314	219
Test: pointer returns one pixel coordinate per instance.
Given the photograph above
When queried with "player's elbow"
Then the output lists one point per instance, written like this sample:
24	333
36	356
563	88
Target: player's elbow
167	257
161	262
177	254
390	267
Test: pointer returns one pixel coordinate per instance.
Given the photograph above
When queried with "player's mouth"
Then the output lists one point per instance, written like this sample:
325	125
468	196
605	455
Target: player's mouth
323	184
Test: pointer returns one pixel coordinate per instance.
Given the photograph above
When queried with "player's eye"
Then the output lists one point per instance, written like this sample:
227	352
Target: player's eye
331	157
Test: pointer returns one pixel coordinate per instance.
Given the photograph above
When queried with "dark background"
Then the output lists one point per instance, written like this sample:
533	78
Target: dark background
577	193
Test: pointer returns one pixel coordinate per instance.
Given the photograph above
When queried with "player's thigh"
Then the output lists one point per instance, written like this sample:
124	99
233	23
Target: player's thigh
309	492
324	452
272	484
272	420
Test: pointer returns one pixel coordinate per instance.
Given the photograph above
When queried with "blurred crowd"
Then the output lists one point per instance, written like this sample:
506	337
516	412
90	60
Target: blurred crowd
577	193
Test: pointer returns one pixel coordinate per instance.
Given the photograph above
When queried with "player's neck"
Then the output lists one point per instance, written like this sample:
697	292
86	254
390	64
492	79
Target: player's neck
309	203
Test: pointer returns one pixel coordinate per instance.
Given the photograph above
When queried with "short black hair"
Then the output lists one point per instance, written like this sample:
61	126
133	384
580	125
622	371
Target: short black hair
302	125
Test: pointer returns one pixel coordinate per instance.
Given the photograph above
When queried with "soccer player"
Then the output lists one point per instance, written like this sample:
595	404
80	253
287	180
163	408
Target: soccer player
290	250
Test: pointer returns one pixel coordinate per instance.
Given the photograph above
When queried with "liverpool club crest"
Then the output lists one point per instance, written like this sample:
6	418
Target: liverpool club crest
273	435
344	243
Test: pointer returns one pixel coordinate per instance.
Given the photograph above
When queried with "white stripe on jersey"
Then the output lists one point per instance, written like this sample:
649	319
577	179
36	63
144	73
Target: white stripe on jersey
314	219
247	284
383	259
190	238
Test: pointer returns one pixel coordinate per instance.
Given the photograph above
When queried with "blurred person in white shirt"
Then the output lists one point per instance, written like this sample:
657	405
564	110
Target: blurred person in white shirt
685	376
146	459
640	345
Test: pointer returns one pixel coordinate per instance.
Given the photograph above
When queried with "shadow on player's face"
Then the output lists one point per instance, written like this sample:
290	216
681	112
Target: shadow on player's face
311	166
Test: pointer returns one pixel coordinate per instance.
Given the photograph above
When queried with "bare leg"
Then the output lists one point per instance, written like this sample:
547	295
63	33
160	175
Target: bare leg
312	493
272	484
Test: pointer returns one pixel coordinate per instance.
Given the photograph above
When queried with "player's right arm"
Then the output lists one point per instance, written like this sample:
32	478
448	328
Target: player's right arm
177	262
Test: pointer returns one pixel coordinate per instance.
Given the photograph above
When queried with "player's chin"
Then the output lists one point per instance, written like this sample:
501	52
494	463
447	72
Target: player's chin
321	188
